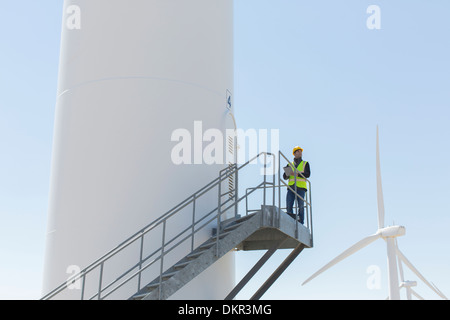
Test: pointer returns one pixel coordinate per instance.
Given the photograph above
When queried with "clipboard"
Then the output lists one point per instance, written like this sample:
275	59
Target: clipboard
288	171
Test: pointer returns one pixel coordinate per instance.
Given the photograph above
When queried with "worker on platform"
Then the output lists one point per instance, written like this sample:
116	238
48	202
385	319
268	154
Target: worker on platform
298	184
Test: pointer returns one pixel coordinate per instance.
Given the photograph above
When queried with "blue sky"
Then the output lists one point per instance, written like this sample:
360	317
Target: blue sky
311	69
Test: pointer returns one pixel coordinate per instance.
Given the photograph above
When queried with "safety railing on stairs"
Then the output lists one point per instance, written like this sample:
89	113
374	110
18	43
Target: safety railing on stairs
96	270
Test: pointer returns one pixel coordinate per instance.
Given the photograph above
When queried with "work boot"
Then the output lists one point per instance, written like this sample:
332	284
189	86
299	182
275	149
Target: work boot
291	215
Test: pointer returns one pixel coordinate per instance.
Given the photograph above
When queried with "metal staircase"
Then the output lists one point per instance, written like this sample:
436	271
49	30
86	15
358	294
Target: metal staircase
268	228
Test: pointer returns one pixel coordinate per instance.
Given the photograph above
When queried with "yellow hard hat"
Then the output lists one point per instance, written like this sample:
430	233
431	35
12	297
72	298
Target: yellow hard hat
296	148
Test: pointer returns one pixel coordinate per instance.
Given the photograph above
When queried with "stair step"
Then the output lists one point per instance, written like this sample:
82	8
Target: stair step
139	296
195	255
222	235
207	245
169	275
233	226
181	265
152	286
244	218
148	288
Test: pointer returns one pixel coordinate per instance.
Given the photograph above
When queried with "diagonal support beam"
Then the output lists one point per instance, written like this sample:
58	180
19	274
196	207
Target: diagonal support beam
277	273
254	270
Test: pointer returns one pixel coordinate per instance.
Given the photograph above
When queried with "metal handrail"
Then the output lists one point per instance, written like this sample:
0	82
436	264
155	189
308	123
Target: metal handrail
166	245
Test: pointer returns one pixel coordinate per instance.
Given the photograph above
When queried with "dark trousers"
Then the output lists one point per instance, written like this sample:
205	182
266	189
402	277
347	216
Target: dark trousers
290	199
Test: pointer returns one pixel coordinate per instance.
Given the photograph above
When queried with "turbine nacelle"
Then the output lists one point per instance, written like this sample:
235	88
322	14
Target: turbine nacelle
392	231
408	284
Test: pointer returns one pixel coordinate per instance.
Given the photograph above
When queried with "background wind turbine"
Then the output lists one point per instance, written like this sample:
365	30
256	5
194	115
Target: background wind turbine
387	233
406	284
409	284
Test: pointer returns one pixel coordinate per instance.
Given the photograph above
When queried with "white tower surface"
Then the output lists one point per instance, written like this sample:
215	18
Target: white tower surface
131	73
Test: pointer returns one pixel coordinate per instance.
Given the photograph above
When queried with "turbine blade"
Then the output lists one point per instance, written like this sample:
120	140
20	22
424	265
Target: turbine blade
380	201
416	294
439	291
400	266
421	277
357	246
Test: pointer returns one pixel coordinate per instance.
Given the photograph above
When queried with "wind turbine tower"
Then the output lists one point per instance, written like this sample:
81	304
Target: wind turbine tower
131	73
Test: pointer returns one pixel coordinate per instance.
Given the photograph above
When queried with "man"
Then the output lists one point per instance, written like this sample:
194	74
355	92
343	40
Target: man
301	186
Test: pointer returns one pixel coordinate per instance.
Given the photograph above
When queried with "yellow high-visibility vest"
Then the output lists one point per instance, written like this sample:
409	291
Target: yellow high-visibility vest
301	182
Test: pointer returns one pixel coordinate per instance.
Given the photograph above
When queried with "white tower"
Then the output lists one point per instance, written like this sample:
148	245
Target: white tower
131	73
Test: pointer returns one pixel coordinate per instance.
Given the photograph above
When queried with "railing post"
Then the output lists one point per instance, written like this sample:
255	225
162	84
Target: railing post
279	184
273	179
161	269
193	224
219	213
236	184
306	209
296	206
83	285
310	213
246	202
265	165
100	281
140	260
